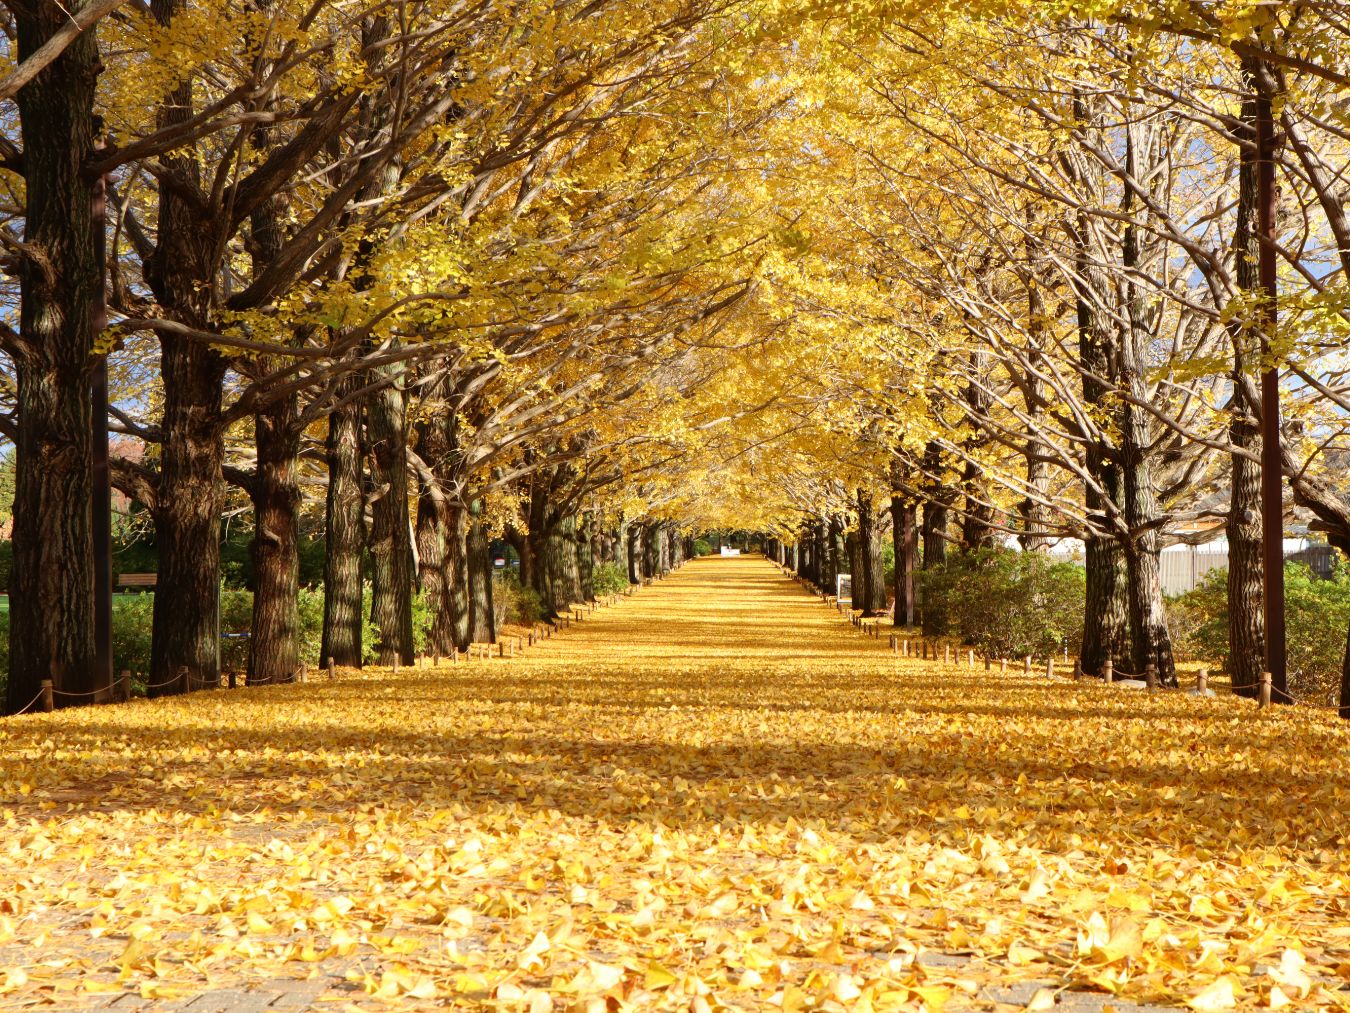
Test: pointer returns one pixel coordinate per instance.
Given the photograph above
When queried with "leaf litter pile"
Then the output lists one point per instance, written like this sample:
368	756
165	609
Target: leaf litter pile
714	795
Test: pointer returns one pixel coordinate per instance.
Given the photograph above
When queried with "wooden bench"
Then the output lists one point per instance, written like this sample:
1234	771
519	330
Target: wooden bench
137	579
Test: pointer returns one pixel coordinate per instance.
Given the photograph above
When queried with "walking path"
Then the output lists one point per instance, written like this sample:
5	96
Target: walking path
713	795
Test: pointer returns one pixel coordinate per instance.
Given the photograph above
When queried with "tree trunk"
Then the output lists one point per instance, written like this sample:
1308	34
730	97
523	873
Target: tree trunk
872	600
1246	566
274	647
390	541
1106	633
181	273
345	536
651	549
904	518
586	556
482	618
622	548
1148	616
185	644
977	520
431	571
934	526
52	591
635	553
453	626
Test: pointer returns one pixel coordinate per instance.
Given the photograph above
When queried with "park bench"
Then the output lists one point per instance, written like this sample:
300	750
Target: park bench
137	579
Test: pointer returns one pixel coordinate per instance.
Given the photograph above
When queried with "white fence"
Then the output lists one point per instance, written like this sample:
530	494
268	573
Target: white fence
1184	569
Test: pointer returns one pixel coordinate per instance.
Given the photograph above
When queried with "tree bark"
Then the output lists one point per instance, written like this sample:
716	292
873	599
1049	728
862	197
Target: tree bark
52	592
274	646
873	597
1246	566
634	553
1148	616
345	536
651	549
904	518
586	556
390	540
482	618
935	516
181	274
454	623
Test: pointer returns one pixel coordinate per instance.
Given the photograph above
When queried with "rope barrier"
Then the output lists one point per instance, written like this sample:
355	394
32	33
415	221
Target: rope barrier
24	709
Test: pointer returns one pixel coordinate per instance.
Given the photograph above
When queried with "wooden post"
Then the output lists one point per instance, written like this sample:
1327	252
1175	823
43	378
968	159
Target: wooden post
232	679
183	677
124	684
946	654
1050	667
1108	671
904	650
1151	676
332	669
1265	691
970	659
1077	669
1202	680
396	664
1026	665
1002	666
48	697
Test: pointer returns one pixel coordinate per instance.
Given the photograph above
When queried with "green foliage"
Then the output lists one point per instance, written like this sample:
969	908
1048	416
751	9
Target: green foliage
514	603
423	616
1008	604
1317	614
609	578
702	547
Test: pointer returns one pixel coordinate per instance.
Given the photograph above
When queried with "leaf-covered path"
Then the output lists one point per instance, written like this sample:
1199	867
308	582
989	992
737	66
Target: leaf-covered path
715	794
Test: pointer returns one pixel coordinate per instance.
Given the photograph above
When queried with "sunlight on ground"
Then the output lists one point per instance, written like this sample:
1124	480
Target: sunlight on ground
715	792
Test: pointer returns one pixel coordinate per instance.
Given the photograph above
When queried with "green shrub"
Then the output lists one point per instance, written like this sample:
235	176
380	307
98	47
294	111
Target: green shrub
702	547
132	620
609	578
514	603
1008	604
1317	613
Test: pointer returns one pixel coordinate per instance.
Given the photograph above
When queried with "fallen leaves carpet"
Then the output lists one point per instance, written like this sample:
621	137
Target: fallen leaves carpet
713	795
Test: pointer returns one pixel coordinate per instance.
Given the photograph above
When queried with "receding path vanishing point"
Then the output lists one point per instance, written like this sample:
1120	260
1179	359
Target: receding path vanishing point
713	795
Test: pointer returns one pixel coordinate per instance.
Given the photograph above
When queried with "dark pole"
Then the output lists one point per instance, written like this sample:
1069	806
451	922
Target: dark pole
1272	484
102	487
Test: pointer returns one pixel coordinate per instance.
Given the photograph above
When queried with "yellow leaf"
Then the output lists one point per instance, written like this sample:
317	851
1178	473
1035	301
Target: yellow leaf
1218	996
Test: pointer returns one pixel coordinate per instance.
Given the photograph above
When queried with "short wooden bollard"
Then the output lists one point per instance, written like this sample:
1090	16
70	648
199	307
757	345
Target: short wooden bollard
1077	669
904	649
1002	666
1151	676
1265	691
48	696
946	654
1026	665
1108	671
330	668
396	664
232	679
124	684
1050	667
970	659
183	678
1202	680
